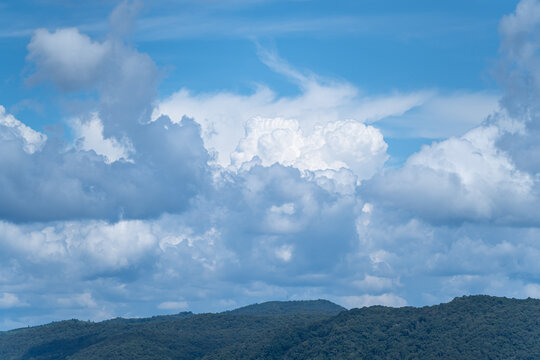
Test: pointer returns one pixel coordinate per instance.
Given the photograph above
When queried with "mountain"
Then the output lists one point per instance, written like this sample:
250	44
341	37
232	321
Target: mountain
184	335
472	327
321	307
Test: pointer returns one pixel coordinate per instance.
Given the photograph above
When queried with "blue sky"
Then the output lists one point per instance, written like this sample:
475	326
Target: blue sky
166	156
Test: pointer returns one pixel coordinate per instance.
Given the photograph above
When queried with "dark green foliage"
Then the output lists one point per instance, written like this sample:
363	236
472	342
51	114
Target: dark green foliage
323	307
474	327
181	336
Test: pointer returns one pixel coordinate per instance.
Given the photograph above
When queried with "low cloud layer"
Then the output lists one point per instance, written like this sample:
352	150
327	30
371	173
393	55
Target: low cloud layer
460	179
209	201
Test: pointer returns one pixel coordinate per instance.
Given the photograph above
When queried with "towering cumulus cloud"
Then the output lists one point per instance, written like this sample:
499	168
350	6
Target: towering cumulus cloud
122	165
204	201
489	173
467	204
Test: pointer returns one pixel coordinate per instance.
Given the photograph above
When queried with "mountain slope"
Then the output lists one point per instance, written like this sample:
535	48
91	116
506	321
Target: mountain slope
184	335
321	307
474	327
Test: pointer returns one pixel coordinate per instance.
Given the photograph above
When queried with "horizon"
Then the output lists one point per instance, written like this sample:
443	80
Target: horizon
232	310
161	157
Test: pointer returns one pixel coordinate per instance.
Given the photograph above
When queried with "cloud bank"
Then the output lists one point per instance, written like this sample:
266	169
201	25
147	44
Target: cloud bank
214	200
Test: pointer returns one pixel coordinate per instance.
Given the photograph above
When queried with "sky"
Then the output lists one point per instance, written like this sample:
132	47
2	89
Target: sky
201	155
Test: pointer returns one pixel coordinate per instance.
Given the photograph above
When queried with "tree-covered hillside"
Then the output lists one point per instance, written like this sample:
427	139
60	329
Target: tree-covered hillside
181	336
321	307
474	327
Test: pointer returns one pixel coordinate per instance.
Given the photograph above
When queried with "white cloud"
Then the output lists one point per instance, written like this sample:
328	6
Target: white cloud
115	245
533	290
173	305
125	79
343	144
370	300
473	158
491	172
325	127
288	220
226	117
70	59
285	253
9	300
523	21
68	182
84	300
107	246
9	126
374	283
466	178
287	209
89	136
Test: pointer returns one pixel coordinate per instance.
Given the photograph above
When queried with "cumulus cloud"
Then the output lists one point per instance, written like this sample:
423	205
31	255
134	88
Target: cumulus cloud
313	130
89	135
125	79
256	197
278	233
120	165
491	172
84	300
520	25
466	178
519	72
369	300
12	129
95	246
227	119
372	283
427	263
55	183
71	60
8	300
173	305
533	290
343	144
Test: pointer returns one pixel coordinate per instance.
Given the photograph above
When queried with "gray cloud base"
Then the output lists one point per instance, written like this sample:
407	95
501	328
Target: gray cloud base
168	169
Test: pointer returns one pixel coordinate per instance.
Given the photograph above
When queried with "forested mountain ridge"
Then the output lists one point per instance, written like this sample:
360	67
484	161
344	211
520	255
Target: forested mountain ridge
320	306
472	327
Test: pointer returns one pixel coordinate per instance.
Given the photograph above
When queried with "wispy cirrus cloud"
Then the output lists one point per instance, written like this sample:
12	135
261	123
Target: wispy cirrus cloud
239	19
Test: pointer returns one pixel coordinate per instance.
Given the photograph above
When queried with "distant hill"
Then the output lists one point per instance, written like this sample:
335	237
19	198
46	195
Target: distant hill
321	307
158	318
180	336
473	327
